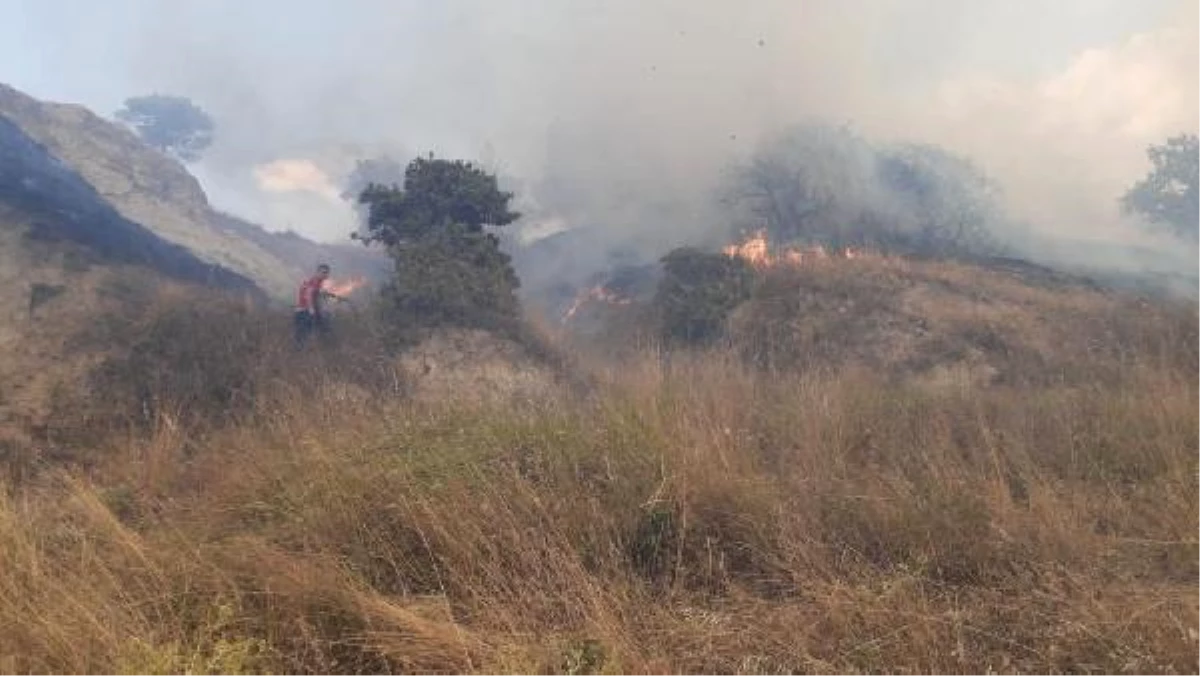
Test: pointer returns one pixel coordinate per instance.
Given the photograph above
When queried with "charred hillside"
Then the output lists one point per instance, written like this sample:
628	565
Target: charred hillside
145	186
47	202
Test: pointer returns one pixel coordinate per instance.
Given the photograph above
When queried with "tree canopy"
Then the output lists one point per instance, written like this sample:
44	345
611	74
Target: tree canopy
172	124
448	269
382	170
436	193
1168	197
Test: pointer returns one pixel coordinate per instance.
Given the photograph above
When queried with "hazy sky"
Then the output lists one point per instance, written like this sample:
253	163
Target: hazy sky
633	106
94	53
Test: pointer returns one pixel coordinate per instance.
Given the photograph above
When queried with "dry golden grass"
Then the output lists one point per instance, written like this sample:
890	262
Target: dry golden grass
910	318
688	516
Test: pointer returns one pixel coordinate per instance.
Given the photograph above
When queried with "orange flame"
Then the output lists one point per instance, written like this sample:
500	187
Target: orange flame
344	288
754	250
598	293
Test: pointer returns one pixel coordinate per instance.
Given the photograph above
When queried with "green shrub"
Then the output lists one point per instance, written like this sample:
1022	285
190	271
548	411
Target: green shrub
449	271
697	293
452	277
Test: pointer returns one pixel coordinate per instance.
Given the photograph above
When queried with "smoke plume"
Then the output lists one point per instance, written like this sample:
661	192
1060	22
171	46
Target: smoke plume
626	117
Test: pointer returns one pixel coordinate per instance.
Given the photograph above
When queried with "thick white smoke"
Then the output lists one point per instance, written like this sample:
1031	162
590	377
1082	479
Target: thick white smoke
623	115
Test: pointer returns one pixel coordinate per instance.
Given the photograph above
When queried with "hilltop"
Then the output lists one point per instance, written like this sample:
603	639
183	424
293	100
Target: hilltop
46	202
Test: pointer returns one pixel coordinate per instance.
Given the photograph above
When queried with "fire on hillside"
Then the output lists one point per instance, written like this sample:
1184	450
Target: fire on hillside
622	287
344	287
755	250
598	293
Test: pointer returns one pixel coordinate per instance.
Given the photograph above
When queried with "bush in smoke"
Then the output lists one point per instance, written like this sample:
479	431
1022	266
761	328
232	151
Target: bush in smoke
827	185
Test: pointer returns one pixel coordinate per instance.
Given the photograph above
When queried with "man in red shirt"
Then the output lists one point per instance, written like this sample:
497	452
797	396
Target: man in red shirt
309	316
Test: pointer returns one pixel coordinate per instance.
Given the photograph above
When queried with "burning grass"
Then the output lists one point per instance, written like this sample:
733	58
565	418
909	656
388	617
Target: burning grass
598	293
690	517
755	250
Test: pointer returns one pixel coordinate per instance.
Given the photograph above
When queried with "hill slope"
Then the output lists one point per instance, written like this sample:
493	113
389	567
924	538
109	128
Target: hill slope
95	228
992	322
299	254
147	187
66	258
47	201
799	499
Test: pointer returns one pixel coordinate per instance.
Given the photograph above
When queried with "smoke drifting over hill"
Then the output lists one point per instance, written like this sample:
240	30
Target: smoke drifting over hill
627	116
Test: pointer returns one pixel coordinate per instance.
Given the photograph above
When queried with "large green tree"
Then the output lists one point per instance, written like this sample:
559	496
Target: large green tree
381	170
172	124
1168	197
449	270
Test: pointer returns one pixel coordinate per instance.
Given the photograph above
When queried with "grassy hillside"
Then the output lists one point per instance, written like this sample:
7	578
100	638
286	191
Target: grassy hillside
1003	322
704	520
932	321
63	248
684	512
